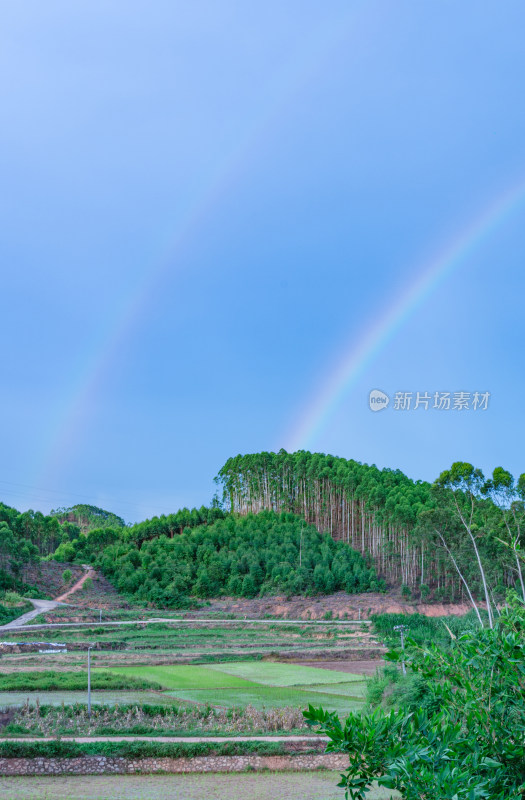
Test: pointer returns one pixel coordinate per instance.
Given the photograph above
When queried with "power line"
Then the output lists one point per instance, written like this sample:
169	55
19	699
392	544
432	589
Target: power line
37	494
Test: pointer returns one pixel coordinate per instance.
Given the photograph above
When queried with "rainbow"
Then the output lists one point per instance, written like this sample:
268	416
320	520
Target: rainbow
359	354
86	379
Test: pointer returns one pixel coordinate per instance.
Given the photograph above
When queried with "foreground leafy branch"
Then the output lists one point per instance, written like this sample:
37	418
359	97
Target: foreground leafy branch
469	744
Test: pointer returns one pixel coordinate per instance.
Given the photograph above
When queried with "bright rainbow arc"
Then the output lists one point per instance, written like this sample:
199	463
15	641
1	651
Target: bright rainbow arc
375	339
101	353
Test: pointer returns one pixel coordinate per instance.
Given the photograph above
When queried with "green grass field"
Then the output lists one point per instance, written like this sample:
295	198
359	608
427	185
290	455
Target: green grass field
182	676
263	685
355	689
259	684
268	697
274	674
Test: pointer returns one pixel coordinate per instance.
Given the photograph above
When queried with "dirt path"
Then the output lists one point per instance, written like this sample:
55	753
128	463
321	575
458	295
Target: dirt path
205	621
40	607
90	573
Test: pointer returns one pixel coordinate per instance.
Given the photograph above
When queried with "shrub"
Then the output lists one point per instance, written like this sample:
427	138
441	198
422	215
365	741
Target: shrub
67	575
88	584
422	629
424	591
389	688
13	598
468	744
379	683
65	749
71	681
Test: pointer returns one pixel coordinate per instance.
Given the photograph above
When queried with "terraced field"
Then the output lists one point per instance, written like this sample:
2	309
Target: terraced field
261	685
179	678
232	667
258	684
270	673
183	677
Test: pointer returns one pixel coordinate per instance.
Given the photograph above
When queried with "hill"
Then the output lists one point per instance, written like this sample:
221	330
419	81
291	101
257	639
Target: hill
88	518
414	531
267	553
455	540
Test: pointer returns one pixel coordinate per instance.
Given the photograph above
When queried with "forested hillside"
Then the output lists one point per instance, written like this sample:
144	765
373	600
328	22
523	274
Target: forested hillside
87	547
32	527
88	518
372	510
27	537
240	556
413	530
23	539
458	538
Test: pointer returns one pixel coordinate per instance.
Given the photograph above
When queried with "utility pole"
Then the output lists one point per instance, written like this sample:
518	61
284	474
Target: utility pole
402	629
89	681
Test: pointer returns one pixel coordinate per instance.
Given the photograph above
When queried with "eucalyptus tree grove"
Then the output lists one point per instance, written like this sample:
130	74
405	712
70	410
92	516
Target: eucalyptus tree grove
486	510
411	529
16	552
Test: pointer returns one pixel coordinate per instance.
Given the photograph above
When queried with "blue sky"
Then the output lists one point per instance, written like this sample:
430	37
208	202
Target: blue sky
207	205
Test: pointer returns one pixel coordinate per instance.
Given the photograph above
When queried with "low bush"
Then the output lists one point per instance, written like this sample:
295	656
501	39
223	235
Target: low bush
13	598
391	689
70	681
64	749
423	630
8	614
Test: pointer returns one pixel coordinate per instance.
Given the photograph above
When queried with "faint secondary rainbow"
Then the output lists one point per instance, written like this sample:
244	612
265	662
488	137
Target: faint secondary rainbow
361	353
86	378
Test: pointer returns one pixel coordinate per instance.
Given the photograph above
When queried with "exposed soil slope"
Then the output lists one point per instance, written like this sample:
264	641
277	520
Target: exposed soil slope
47	576
336	606
89	573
